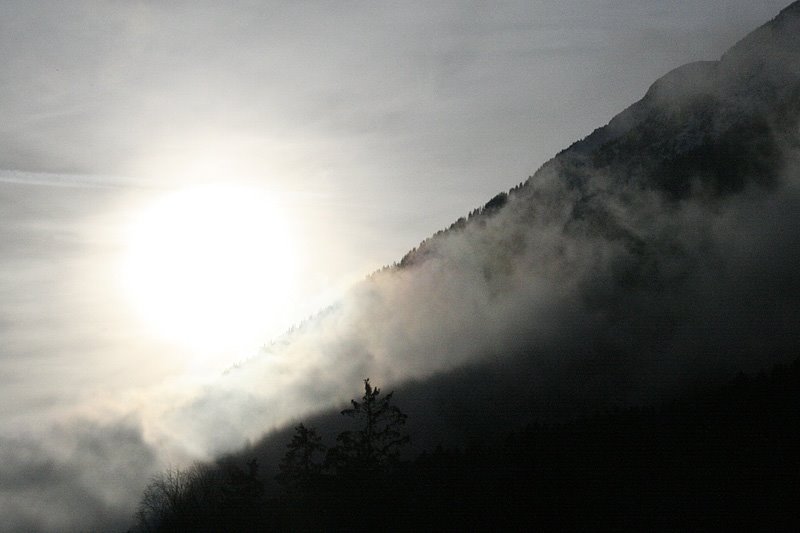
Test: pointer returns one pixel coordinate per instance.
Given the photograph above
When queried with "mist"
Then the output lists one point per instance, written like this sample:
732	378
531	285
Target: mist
597	282
605	282
671	295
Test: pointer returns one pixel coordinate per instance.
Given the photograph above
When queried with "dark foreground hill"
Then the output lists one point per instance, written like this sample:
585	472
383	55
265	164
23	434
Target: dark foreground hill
632	274
724	458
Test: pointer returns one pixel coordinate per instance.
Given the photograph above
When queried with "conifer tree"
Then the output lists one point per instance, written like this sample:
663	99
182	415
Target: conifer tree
375	445
299	468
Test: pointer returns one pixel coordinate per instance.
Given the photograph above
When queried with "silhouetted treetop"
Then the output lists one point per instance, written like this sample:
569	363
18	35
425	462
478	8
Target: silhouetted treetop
376	444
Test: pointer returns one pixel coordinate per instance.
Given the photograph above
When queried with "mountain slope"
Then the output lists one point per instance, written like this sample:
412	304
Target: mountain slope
648	261
650	205
657	253
721	458
716	126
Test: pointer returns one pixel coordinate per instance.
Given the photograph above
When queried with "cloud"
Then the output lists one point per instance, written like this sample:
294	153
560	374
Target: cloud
469	96
77	476
569	296
566	298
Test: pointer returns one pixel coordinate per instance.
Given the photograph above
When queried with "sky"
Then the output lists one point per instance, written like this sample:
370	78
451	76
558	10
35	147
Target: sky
362	128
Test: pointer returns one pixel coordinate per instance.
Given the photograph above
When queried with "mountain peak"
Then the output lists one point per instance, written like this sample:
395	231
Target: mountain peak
716	124
771	50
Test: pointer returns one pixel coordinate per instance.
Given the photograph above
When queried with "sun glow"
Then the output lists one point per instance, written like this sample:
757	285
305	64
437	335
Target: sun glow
210	267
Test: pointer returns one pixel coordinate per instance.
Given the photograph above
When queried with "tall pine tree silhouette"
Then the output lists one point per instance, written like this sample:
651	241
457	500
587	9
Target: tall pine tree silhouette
375	446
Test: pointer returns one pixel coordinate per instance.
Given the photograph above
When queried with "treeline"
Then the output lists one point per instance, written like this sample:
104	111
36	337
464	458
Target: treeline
725	458
317	482
418	253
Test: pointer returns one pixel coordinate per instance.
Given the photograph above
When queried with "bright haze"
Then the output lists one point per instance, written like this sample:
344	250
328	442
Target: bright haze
181	182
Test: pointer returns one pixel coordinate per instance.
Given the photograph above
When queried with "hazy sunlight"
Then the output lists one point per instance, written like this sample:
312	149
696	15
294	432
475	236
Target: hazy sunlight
210	266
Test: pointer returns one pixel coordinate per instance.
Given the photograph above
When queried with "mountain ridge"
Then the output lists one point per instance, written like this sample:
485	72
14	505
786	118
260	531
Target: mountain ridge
613	274
710	92
655	258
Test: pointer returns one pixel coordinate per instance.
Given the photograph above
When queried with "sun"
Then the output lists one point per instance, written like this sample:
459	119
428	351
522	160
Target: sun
210	267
